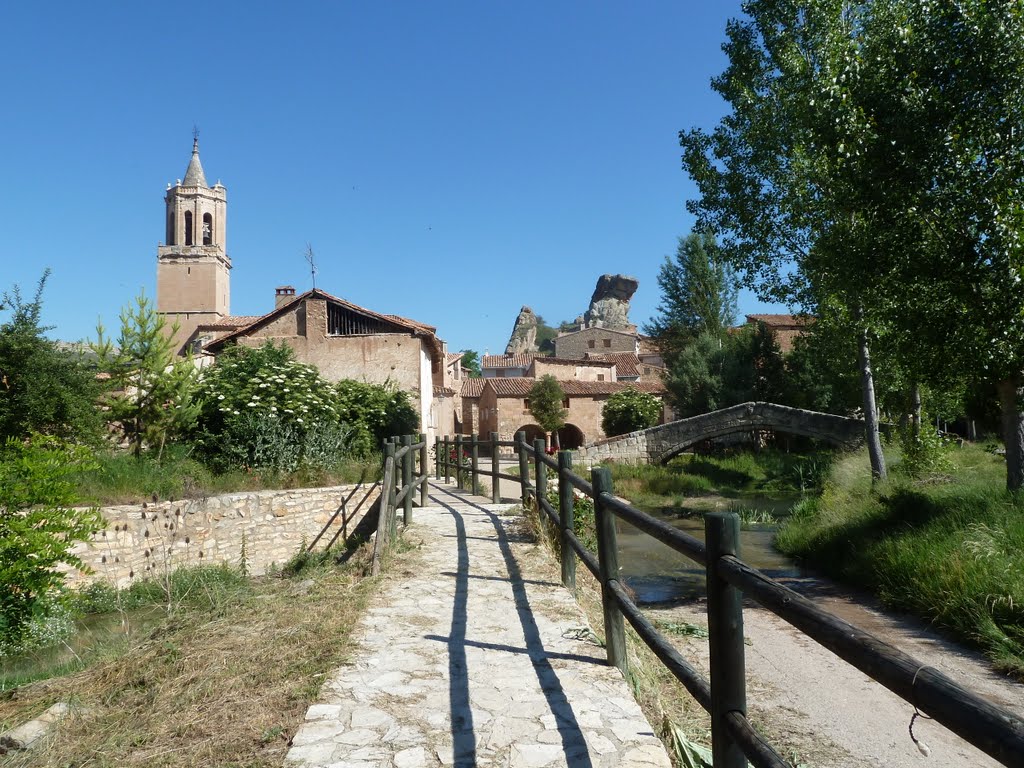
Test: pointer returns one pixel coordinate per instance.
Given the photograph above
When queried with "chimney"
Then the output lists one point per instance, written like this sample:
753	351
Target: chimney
282	295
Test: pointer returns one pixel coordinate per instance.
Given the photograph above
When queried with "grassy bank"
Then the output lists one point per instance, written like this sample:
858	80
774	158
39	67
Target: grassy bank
947	548
120	478
766	473
225	678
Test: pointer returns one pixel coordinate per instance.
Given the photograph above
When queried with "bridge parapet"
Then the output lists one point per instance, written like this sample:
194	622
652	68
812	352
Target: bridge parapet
659	444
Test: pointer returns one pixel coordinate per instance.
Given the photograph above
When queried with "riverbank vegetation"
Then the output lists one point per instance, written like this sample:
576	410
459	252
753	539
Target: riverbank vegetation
947	547
223	675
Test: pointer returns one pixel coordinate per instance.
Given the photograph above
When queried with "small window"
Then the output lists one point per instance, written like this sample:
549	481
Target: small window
607	343
600	377
565	403
591	344
188	228
207	229
526	403
647	369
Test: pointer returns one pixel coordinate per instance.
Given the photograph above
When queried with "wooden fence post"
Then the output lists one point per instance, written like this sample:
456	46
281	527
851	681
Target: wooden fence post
458	461
474	453
540	471
407	465
447	457
566	518
383	532
725	638
524	466
495	468
437	458
388	489
608	558
424	470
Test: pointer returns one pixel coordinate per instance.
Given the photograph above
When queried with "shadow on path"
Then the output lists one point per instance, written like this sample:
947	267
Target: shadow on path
573	743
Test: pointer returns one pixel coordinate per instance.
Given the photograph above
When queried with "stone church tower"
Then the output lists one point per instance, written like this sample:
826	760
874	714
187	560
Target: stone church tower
193	285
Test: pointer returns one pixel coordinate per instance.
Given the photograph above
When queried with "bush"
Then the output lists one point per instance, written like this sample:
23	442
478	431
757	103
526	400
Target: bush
628	411
38	529
925	453
374	412
261	409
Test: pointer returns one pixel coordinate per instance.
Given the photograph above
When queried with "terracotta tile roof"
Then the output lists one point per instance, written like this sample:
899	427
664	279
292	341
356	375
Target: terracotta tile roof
443	391
648	345
781	321
416	328
451	357
522	360
473	387
230	322
625	362
517	387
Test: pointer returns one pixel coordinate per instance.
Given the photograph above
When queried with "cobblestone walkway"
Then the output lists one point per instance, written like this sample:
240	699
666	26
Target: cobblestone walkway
466	663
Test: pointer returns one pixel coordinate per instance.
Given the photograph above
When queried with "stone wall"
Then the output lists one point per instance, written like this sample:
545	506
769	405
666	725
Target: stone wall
145	540
577	344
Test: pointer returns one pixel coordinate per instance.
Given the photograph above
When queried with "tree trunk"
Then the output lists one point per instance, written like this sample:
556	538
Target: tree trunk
867	382
1013	431
915	404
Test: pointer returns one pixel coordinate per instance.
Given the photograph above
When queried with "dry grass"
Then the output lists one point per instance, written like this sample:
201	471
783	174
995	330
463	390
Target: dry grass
227	687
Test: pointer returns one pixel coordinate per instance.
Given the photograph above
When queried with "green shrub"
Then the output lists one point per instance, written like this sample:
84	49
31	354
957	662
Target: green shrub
374	412
628	411
925	453
38	529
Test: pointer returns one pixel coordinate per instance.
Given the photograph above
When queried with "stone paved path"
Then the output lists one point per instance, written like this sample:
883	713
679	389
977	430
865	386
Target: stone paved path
466	663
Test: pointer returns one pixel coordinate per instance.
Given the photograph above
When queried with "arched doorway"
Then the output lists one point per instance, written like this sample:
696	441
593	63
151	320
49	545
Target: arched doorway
533	431
571	437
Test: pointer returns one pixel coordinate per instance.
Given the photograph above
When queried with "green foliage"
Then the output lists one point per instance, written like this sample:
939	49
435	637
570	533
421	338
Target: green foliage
952	553
471	362
924	453
546	336
42	388
153	398
584	521
629	411
546	397
698	295
263	410
38	527
374	412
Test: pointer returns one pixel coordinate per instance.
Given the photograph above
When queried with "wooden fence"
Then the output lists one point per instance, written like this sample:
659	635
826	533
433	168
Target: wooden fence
398	485
993	730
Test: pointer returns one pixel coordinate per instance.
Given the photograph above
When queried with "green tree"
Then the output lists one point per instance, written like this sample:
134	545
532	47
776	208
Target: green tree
152	388
471	362
43	388
38	527
698	294
628	411
784	178
546	398
694	381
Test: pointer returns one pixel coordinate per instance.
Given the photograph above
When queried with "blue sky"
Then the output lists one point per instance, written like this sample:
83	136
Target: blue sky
446	161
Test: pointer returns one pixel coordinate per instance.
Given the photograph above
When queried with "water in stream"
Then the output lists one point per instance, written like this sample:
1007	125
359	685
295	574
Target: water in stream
658	574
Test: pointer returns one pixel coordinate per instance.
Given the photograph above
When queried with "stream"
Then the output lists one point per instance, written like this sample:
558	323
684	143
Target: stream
658	574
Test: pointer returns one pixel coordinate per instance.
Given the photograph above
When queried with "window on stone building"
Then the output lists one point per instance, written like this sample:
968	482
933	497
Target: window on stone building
600	377
607	342
170	228
647	369
188	228
207	229
591	344
565	402
526	403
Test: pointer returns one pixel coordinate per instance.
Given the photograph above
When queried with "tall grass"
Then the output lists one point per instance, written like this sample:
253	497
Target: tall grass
120	478
949	549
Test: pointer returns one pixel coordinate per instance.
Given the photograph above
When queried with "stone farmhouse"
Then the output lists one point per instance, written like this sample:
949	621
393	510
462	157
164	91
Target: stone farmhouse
785	328
344	340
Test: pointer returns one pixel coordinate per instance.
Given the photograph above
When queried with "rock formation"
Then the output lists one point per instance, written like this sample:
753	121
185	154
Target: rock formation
524	333
610	303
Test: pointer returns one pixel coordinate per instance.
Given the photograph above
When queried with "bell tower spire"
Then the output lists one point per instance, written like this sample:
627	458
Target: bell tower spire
192	273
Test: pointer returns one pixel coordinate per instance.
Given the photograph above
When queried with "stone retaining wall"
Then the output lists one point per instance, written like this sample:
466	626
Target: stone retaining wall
263	527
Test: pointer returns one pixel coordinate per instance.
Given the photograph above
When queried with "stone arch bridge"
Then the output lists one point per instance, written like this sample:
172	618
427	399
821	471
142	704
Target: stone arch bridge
659	444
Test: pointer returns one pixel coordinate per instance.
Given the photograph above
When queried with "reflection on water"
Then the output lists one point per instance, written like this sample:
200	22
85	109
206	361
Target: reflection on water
658	574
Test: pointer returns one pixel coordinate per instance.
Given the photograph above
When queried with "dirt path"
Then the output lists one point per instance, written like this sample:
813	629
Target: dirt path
827	713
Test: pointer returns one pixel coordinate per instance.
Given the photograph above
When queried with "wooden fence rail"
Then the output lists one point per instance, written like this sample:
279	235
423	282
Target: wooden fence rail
992	729
400	480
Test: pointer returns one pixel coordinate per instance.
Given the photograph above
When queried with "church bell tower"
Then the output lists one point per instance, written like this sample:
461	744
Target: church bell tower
193	284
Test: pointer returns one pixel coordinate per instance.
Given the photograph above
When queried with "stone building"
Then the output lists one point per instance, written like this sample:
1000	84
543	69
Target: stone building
596	339
342	339
504	408
785	328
